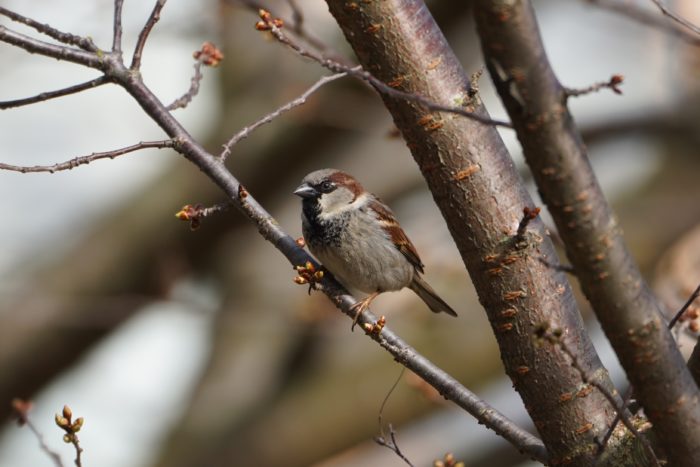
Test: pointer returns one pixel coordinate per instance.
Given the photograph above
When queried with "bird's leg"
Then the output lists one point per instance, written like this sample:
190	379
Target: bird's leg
361	306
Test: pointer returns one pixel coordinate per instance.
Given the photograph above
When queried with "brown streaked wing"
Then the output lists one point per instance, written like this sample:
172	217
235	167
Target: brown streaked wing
396	233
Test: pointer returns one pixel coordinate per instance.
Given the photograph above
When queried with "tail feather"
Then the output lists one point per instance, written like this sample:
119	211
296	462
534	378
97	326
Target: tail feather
429	296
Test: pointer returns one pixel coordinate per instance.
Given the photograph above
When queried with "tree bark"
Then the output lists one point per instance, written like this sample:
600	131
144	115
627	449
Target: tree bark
626	308
481	196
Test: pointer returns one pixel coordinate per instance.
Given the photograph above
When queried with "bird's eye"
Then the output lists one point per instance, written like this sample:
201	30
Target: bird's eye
327	186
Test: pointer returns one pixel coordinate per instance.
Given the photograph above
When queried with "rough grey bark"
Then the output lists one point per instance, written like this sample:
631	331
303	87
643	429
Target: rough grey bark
626	308
475	185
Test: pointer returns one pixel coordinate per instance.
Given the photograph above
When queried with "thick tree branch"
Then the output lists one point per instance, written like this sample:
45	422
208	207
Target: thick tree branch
481	196
626	308
45	96
115	70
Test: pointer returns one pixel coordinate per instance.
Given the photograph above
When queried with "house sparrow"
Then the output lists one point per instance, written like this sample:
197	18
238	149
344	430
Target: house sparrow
357	238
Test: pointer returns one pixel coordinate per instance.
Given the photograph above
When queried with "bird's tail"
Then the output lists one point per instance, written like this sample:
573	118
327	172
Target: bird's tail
429	296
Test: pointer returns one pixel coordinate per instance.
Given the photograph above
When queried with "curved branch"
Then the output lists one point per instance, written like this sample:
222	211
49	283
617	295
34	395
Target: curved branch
84	43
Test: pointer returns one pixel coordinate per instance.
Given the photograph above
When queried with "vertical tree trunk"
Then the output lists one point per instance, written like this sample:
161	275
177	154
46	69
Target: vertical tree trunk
627	310
481	196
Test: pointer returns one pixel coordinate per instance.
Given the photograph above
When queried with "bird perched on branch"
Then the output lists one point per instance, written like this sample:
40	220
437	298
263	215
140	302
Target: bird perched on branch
357	238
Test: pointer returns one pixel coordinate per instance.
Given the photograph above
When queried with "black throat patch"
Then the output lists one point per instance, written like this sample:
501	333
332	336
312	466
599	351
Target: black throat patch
322	232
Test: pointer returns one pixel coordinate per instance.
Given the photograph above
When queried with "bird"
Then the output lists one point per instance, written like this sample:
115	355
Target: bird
357	238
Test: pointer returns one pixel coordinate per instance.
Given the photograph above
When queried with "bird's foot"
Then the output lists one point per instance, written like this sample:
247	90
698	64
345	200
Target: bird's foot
361	306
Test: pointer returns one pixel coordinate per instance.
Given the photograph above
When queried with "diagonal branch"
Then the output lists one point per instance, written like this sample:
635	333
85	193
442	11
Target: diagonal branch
84	43
647	17
83	160
676	18
45	96
143	36
47	49
246	131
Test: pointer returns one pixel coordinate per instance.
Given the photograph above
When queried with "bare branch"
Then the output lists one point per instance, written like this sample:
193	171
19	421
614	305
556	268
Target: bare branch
195	213
678	19
647	17
268	24
84	43
83	160
117	40
182	101
143	36
246	131
47	49
613	84
683	309
392	444
45	96
22	408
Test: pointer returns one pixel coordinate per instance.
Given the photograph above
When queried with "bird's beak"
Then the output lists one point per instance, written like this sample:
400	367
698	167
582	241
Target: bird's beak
306	191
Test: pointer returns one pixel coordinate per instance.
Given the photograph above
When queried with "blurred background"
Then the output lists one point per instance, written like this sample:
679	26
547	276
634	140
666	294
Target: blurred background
186	348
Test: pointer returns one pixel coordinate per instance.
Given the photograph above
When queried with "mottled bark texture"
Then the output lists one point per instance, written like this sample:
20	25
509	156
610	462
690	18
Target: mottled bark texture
481	196
627	310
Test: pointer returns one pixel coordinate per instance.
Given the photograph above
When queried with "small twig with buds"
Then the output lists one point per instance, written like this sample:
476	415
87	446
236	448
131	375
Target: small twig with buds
22	408
448	461
83	160
308	274
195	213
274	25
246	131
64	420
529	214
613	84
208	55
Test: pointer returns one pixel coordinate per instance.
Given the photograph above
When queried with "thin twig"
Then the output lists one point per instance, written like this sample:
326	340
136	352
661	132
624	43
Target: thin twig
683	309
22	408
117	39
45	96
678	19
84	43
82	160
381	439
246	131
529	214
647	17
613	84
555	337
184	100
194	213
364	75
143	35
